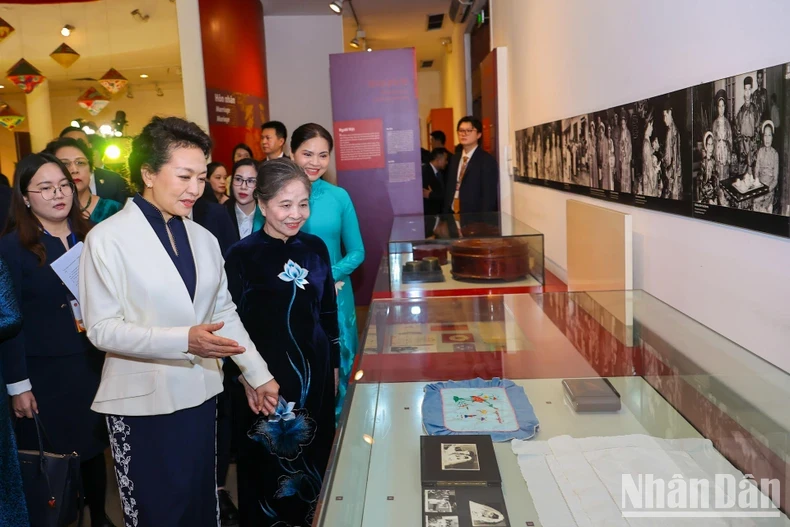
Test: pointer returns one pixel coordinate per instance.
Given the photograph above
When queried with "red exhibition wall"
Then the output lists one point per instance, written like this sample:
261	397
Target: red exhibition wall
234	61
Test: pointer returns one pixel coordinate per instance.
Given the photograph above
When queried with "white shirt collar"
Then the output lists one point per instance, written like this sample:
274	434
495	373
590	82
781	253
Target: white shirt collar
245	221
92	185
470	154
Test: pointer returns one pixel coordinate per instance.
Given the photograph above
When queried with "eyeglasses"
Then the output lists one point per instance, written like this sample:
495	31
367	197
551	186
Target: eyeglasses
464	131
48	193
79	163
241	182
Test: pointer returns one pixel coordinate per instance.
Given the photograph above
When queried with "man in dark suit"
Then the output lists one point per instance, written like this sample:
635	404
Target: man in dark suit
433	187
472	182
104	183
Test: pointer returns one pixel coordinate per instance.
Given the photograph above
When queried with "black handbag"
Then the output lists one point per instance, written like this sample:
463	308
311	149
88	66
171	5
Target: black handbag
52	485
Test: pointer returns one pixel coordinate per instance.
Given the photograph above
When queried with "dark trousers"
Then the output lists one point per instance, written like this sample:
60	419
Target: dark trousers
166	467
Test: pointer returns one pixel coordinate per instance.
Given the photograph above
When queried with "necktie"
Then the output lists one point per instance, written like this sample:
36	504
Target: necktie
456	200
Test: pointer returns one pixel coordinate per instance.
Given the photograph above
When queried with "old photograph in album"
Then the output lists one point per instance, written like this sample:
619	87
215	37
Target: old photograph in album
458	460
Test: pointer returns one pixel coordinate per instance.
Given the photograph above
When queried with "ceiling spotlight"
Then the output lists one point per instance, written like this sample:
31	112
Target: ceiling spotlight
118	133
66	30
370	49
143	75
105	129
140	16
1	86
359	38
336	6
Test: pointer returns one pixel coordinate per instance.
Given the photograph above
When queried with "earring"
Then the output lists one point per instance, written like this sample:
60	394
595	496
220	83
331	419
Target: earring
27	204
149	185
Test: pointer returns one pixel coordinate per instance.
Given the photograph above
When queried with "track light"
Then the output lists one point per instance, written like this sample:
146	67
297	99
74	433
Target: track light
358	40
66	30
336	6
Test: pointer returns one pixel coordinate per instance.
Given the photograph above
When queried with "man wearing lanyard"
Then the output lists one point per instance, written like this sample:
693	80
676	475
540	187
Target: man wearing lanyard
473	175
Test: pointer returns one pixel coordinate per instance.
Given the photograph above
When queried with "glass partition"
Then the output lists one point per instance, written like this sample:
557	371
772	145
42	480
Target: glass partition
676	379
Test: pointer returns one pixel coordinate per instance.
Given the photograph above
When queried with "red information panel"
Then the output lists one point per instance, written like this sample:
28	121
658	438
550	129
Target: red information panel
360	144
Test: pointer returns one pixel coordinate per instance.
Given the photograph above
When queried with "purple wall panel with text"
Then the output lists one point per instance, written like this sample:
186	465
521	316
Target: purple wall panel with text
377	138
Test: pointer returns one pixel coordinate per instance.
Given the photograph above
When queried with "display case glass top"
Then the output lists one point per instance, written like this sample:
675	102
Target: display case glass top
451	255
676	379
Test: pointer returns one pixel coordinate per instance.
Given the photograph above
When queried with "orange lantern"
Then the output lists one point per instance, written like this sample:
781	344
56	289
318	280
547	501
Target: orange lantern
113	81
5	30
25	75
64	55
9	118
93	101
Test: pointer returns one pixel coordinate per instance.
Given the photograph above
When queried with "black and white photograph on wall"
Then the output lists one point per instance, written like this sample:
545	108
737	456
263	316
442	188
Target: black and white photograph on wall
521	154
576	151
612	152
531	153
662	151
551	152
741	171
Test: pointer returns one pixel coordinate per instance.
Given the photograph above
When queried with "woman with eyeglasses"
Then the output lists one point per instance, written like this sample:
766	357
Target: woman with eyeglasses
50	368
76	157
243	210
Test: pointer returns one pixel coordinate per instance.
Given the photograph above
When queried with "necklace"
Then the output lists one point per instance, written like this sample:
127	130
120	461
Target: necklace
90	198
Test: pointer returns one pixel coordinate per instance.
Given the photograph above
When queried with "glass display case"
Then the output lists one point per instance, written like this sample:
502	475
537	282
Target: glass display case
679	384
463	254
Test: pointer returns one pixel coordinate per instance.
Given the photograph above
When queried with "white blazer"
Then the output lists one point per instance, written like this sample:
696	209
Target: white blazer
137	309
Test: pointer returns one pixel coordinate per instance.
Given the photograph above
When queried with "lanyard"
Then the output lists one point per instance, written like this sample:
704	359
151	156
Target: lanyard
72	237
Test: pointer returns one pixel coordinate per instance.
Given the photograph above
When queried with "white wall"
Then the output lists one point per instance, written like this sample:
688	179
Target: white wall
453	67
429	96
575	56
297	67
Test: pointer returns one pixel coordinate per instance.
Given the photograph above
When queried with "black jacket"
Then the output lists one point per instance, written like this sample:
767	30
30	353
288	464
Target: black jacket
479	190
111	185
5	205
432	205
214	218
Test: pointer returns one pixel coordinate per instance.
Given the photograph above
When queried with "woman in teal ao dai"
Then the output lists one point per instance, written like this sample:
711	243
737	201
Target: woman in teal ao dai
334	220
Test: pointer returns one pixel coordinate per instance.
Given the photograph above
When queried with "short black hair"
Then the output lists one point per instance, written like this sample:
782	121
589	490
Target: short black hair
278	127
96	141
246	162
436	153
439	136
69	129
241	146
214	165
476	124
157	141
63	142
310	131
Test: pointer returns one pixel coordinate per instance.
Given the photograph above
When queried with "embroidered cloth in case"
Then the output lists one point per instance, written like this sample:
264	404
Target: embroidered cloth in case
498	408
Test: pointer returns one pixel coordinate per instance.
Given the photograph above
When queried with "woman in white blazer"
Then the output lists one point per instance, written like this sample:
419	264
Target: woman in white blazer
154	297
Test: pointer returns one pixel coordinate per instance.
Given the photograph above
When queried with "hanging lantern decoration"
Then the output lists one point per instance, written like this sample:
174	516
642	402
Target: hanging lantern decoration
113	81
9	117
64	55
93	101
5	30
25	75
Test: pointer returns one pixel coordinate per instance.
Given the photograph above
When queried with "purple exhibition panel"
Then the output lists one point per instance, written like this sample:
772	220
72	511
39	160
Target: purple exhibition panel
377	138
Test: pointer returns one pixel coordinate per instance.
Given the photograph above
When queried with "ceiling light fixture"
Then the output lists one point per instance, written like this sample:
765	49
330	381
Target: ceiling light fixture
66	30
358	40
1	86
336	6
370	49
143	75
